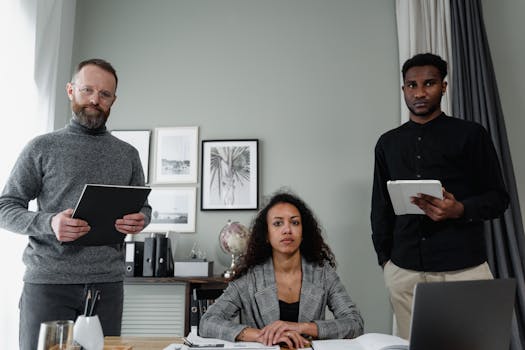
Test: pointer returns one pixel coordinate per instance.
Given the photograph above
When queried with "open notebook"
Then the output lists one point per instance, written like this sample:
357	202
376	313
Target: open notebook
197	342
368	341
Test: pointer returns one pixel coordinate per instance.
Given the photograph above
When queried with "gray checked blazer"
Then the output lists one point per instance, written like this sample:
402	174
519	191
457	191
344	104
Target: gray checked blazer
254	296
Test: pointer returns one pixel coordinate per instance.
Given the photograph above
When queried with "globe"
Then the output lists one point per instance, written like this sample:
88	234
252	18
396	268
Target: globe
233	240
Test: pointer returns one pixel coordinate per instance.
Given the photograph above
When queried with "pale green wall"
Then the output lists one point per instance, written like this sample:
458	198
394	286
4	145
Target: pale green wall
315	81
505	27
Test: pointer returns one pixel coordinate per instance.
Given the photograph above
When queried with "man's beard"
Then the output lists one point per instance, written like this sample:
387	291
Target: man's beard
89	118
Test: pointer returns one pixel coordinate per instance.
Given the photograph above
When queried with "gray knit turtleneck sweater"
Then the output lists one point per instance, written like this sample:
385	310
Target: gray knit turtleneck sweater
53	168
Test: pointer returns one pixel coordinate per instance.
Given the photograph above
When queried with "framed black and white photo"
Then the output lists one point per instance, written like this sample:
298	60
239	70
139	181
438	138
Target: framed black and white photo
229	174
176	157
172	209
140	139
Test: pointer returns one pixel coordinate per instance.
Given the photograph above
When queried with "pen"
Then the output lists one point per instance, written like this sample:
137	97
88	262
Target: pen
86	304
193	345
96	297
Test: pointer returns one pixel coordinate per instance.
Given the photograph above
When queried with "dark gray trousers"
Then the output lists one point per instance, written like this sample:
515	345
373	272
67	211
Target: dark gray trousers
48	302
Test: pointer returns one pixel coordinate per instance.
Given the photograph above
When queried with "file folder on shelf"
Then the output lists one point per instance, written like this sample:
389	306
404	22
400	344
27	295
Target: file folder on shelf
163	257
134	258
150	248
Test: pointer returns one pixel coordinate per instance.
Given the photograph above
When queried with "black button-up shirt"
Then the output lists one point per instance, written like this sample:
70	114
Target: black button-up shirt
462	156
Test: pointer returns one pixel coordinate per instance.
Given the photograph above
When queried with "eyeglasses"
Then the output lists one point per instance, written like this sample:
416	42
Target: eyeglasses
104	95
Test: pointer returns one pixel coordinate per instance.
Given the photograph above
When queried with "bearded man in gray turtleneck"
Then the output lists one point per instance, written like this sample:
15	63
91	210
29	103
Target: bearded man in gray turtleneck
53	169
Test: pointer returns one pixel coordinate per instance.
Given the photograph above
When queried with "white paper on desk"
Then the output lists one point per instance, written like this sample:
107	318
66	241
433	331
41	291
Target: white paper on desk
228	345
368	341
173	347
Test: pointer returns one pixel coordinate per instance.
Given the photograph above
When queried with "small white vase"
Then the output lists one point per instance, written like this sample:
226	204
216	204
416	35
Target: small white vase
88	332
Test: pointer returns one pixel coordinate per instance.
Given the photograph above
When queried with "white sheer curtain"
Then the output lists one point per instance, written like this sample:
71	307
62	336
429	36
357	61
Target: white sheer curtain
29	64
424	26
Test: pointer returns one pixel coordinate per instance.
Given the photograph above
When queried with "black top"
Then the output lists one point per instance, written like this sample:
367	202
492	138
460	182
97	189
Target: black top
289	311
462	156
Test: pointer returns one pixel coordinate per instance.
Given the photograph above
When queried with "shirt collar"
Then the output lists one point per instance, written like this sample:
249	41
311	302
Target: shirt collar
434	121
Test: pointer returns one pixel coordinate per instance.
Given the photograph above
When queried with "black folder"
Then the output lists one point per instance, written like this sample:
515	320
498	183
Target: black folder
101	206
163	257
150	248
194	309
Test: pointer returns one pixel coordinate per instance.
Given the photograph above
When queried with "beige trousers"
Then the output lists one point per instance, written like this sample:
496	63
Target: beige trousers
401	282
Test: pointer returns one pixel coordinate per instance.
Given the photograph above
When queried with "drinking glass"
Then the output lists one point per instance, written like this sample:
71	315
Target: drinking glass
56	335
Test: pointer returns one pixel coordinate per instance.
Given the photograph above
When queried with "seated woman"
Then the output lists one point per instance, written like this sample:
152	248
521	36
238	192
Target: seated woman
284	283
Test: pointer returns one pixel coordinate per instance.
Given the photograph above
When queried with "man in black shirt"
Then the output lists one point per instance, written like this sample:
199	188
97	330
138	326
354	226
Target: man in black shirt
447	243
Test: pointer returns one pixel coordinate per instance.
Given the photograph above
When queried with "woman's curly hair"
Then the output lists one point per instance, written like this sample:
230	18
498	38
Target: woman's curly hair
313	247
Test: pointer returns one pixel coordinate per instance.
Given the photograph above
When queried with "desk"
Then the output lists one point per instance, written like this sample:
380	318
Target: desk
139	343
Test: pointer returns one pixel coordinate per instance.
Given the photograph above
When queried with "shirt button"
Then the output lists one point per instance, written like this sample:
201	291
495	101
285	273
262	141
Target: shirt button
419	138
423	238
418	156
418	176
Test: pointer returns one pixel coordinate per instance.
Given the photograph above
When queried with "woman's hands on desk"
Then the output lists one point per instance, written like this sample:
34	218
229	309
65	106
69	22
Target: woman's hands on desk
289	333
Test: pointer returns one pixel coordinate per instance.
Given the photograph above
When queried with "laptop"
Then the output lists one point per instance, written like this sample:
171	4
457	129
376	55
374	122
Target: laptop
463	315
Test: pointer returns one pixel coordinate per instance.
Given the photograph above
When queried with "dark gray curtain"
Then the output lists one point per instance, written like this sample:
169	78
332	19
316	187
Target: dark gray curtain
476	98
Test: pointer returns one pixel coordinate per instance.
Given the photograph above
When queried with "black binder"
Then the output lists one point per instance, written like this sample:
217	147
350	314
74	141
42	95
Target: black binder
200	300
163	257
134	258
150	248
194	309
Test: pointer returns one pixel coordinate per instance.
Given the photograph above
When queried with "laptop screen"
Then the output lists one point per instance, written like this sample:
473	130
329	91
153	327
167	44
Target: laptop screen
473	315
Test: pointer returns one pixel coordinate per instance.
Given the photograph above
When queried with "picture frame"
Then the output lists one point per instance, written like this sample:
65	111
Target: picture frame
176	155
140	139
230	174
172	209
